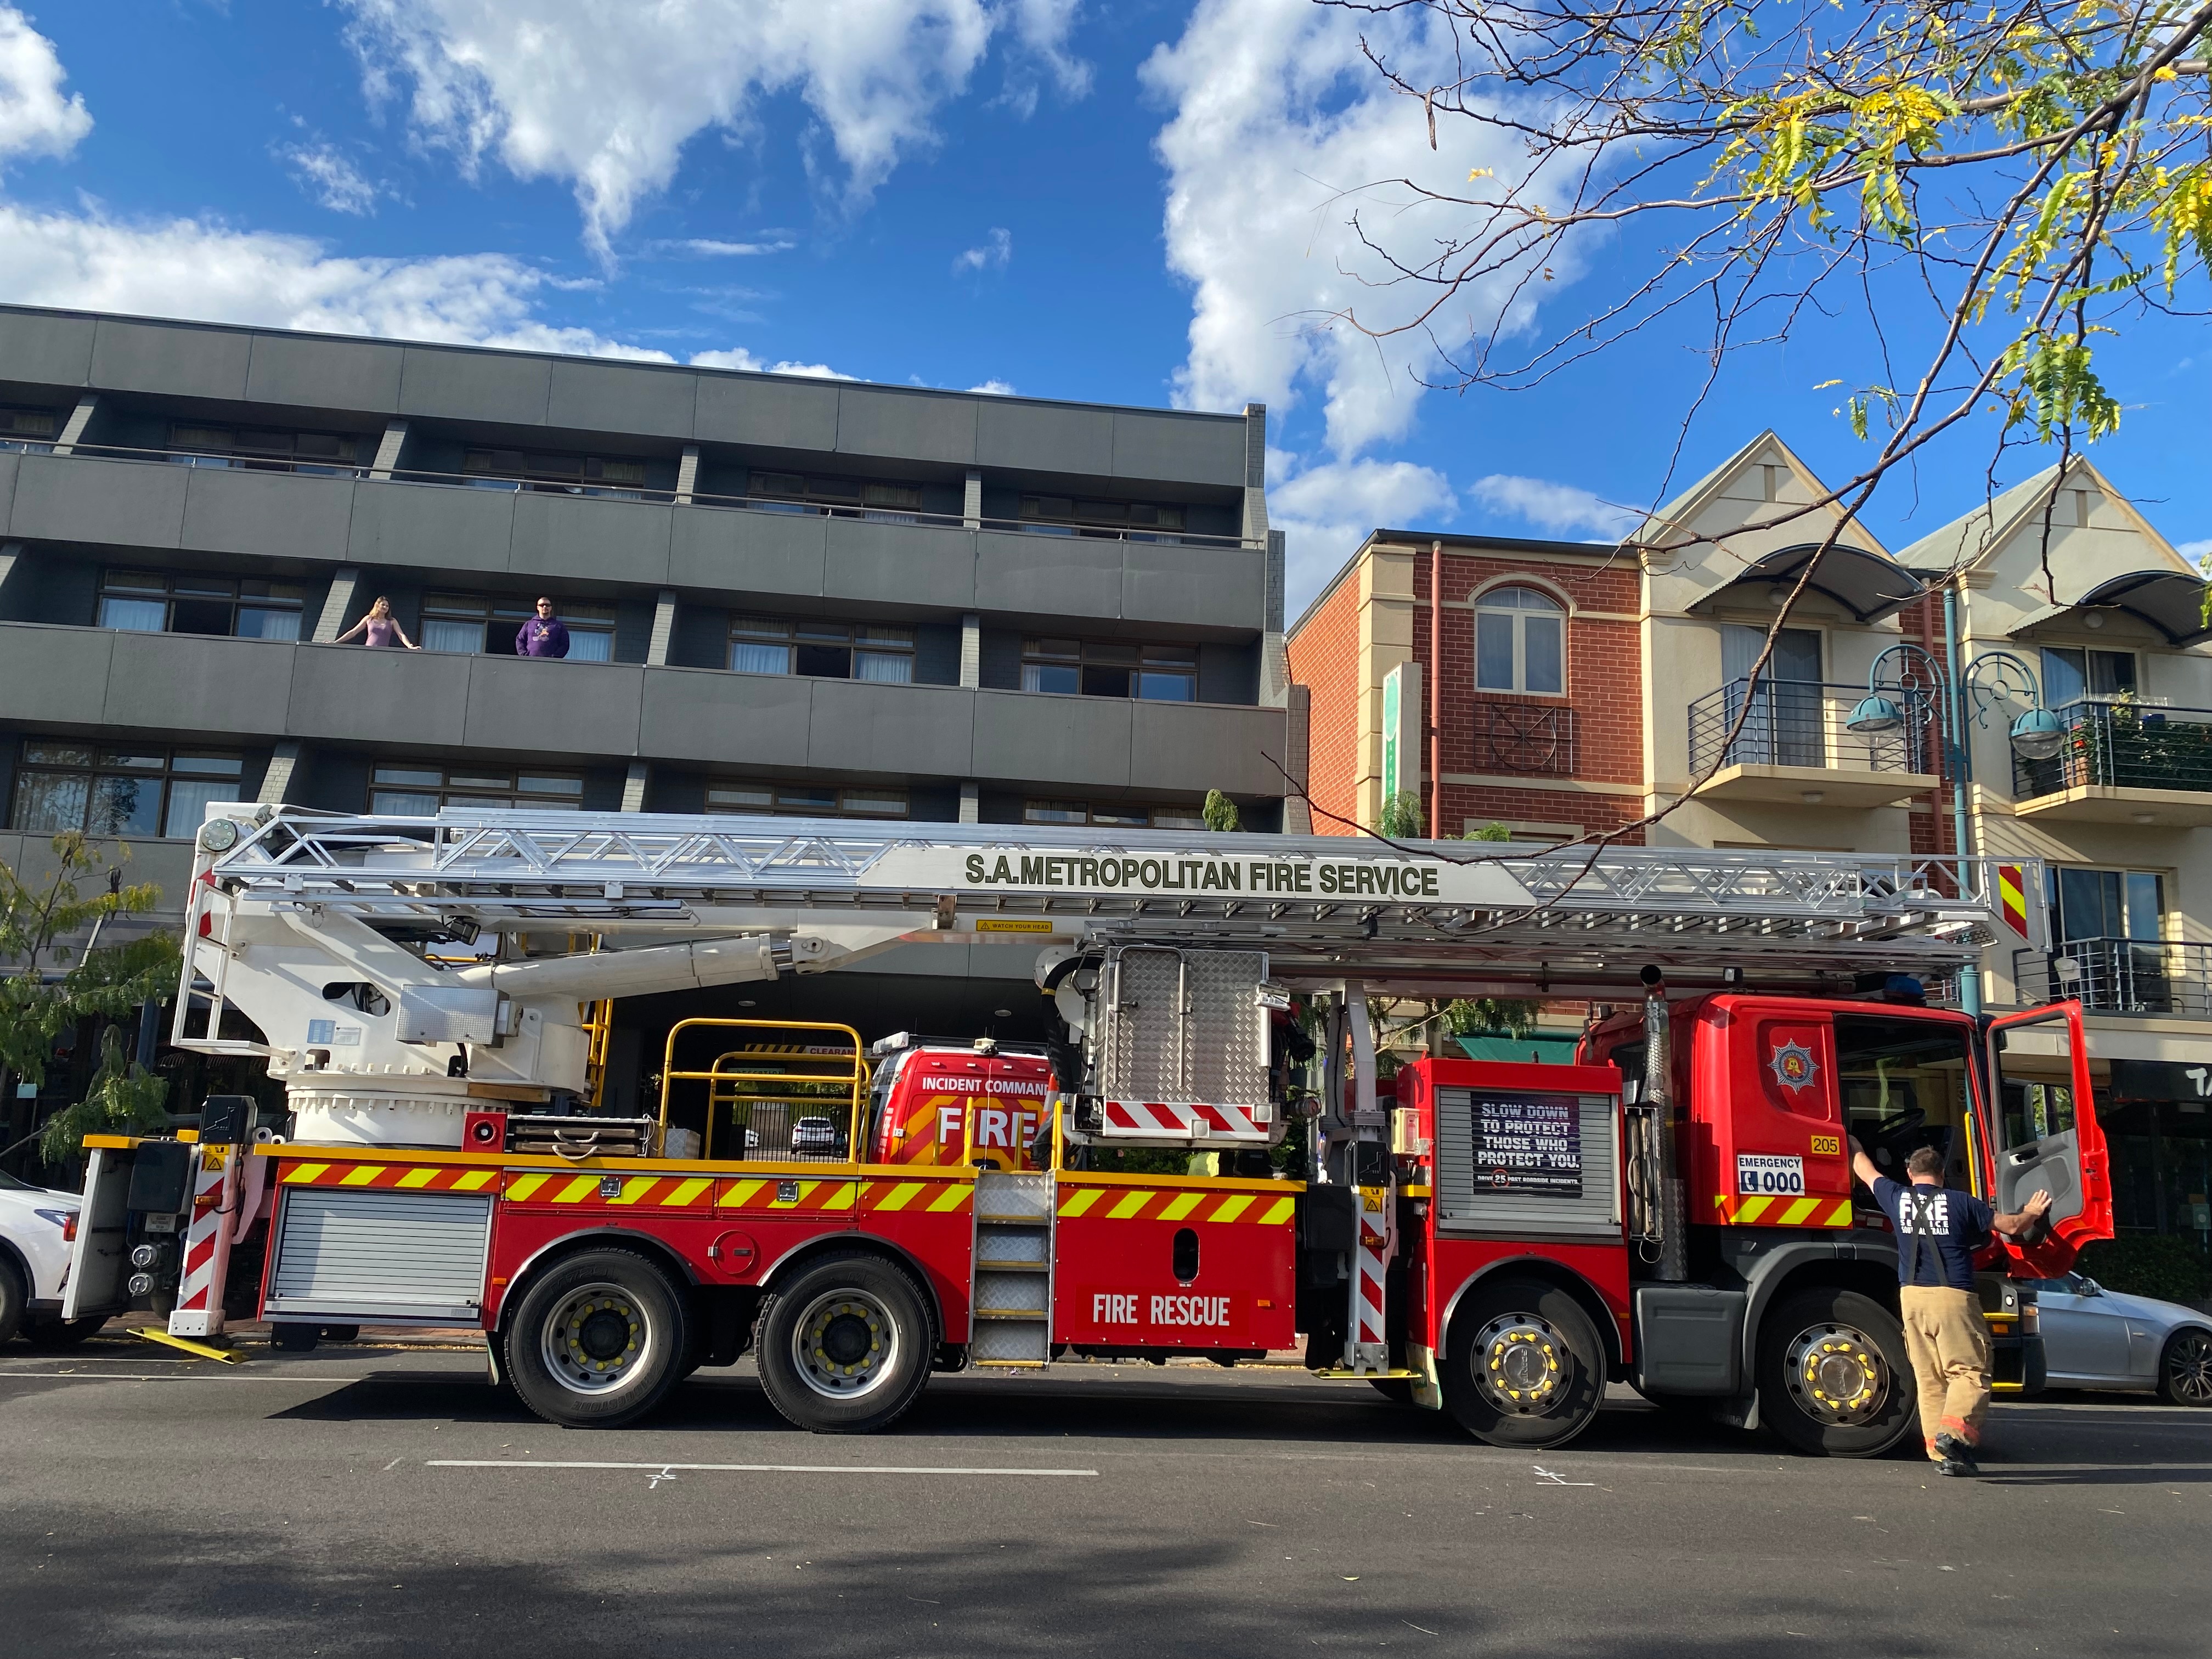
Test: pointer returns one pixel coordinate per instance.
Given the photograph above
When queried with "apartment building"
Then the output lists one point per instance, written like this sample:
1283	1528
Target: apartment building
782	595
1585	687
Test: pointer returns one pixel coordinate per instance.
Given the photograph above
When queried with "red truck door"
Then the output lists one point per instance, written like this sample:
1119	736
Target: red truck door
2044	1123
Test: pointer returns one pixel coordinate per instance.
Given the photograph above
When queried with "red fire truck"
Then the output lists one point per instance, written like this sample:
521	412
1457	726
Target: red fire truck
1497	1241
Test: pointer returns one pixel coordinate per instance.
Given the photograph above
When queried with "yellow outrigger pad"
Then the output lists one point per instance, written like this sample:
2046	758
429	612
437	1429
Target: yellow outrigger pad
199	1350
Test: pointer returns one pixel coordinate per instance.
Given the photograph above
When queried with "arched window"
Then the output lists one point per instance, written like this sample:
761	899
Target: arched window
1520	642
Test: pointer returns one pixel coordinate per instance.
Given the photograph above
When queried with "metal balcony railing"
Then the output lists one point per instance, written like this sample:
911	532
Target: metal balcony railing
2120	976
2122	745
1802	723
1524	739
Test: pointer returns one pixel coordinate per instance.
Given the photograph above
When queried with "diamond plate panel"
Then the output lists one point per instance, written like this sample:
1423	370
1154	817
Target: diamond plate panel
1142	1050
996	1341
1224	1041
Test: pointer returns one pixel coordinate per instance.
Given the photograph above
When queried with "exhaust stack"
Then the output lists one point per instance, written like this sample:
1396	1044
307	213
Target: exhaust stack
1666	1219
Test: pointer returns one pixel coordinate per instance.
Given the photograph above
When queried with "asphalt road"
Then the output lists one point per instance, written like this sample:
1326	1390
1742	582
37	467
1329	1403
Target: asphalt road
384	1501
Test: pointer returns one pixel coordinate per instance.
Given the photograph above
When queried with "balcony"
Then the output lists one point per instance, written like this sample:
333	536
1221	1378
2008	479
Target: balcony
2123	764
1793	748
2120	976
1524	739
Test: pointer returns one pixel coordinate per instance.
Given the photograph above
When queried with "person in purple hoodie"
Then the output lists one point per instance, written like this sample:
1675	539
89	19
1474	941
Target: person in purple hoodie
544	635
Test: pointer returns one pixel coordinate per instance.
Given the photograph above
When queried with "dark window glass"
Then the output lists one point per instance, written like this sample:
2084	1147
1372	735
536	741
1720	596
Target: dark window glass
119	792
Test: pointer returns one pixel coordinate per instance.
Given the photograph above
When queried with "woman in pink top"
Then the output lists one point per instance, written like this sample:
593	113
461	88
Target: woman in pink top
379	627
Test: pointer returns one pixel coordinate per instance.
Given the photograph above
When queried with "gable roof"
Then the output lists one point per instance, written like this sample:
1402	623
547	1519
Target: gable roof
1973	536
1665	524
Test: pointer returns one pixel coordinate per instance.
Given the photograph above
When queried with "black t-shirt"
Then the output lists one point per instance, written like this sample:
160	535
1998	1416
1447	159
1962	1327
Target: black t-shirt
1952	1225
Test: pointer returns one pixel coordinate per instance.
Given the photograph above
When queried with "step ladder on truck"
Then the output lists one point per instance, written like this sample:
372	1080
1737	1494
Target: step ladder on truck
1497	1241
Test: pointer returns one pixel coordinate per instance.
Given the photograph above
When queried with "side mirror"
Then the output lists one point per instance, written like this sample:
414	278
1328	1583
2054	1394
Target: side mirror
2088	1287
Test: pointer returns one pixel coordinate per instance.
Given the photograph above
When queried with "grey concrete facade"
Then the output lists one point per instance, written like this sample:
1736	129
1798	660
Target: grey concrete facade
673	560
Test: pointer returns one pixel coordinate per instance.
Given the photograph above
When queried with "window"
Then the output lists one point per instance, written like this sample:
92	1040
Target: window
825	650
28	430
2071	675
1068	516
420	788
808	800
263	449
1120	815
177	602
119	792
2126	904
1099	668
1902	1084
477	625
1520	642
797	492
554	474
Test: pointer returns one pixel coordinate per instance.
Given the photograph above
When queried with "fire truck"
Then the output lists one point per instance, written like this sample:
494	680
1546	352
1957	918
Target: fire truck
1498	1241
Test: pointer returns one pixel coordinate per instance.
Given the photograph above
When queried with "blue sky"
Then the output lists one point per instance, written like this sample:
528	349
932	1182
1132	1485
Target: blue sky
1129	202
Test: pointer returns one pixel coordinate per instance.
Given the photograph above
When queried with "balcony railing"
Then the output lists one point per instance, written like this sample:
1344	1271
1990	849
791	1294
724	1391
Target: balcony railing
2122	745
226	461
1524	739
2120	976
1801	723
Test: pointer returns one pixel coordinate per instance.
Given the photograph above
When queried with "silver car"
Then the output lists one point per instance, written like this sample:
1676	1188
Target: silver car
2093	1338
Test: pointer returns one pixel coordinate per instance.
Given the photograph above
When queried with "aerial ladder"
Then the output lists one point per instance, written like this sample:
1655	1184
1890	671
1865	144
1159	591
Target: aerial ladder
1210	993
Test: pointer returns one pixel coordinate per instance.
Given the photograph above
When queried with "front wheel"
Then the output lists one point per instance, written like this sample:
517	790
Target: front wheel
2184	1369
845	1347
597	1340
1833	1377
52	1333
1523	1366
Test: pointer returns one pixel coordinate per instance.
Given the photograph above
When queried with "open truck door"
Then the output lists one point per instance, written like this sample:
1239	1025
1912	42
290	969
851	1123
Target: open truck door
2044	1127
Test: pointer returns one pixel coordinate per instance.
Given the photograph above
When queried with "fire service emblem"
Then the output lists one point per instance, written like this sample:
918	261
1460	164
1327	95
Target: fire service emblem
1793	1066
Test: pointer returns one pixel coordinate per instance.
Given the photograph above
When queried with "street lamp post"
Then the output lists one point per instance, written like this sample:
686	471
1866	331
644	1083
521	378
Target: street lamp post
1918	681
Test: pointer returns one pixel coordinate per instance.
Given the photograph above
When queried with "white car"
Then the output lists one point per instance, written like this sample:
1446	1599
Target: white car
37	1227
2093	1338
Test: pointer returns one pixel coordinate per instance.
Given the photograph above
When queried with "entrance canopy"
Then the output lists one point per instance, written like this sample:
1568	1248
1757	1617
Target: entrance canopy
1870	585
2168	600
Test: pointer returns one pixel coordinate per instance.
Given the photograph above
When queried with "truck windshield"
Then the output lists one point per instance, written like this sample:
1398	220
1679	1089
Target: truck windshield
1904	1086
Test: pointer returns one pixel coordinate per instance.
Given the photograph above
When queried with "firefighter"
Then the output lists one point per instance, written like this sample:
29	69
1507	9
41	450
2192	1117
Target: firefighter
1938	1230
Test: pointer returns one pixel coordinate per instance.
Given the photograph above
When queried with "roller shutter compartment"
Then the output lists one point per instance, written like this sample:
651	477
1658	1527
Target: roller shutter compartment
380	1255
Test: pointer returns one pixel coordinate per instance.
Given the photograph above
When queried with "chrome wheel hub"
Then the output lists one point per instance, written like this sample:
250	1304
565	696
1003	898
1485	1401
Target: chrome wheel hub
1837	1375
1522	1364
846	1344
2189	1367
597	1340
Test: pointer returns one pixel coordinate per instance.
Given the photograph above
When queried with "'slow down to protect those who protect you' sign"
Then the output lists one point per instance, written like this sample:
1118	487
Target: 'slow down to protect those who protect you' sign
1529	1143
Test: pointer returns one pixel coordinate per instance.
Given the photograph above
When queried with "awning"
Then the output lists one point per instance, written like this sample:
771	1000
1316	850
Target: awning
1869	586
2171	601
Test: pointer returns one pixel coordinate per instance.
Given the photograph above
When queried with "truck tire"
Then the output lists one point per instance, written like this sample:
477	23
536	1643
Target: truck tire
845	1347
11	1299
1523	1366
2184	1369
596	1340
1834	1377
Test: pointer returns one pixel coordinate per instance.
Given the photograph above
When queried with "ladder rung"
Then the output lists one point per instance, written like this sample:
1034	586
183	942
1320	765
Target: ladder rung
1007	1365
1032	1315
1011	1220
984	1267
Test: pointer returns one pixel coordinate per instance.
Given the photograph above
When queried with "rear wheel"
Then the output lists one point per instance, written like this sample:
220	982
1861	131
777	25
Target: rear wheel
341	1332
597	1341
845	1347
1398	1390
1523	1366
2184	1369
51	1334
294	1339
1833	1377
11	1300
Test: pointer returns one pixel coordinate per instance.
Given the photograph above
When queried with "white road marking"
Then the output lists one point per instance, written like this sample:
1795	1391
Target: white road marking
662	1469
1545	1477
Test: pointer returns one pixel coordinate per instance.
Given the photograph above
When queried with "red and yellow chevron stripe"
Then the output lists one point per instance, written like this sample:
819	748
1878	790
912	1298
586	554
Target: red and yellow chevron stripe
408	1177
1138	1204
631	1192
1769	1210
2012	896
917	1197
786	1195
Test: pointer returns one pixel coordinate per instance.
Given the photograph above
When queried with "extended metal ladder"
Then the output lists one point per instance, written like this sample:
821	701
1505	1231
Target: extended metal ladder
1009	1277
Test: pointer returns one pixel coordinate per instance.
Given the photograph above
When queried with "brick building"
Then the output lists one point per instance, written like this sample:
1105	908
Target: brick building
1536	721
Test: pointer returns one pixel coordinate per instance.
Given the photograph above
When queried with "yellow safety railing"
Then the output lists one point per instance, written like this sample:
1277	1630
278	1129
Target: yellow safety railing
788	1085
597	1019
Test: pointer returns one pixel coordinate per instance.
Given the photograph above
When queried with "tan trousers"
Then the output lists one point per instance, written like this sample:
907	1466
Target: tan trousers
1949	1342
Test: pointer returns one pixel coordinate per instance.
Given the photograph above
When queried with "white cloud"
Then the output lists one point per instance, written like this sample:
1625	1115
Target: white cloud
996	253
1326	512
702	248
1554	507
739	357
325	173
2196	552
606	96
194	268
35	119
995	388
1276	112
